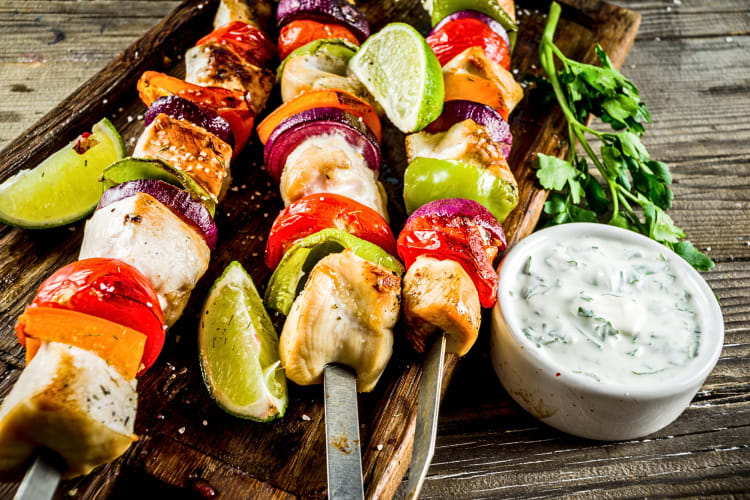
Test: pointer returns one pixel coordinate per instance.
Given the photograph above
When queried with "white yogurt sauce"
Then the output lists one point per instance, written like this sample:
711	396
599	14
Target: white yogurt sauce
612	312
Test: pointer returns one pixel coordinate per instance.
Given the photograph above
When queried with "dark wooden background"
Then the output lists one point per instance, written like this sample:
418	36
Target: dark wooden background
692	63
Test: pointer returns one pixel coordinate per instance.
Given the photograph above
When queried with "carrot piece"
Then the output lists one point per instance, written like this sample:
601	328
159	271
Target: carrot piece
323	98
474	88
32	346
118	345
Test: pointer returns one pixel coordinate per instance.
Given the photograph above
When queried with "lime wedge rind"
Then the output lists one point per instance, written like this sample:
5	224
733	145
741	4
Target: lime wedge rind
63	188
399	69
238	348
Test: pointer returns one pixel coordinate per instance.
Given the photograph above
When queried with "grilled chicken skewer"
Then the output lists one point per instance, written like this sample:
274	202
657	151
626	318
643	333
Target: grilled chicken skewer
77	398
339	328
444	292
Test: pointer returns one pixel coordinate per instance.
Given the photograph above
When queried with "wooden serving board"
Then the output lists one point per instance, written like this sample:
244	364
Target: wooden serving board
188	447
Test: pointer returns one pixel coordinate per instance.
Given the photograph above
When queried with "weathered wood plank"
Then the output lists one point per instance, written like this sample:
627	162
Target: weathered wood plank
696	83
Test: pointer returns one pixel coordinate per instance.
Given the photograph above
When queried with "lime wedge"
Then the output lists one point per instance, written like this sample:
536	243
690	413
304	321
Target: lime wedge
239	349
64	187
400	70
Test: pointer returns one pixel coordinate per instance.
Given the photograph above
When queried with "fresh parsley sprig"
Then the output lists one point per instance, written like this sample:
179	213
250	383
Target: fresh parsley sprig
637	189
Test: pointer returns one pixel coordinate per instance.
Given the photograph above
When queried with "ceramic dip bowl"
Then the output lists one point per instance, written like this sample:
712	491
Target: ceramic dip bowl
601	332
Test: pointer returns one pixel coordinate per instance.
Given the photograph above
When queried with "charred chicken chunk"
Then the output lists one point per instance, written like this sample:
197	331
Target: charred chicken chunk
259	13
345	314
439	295
474	63
185	146
465	141
71	401
214	65
321	71
144	233
330	164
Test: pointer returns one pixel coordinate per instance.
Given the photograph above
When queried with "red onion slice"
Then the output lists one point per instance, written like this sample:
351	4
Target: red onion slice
486	116
182	109
473	14
313	122
460	207
179	201
337	11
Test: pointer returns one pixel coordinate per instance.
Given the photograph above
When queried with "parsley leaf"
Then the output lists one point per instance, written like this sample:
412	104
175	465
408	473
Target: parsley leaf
555	173
636	189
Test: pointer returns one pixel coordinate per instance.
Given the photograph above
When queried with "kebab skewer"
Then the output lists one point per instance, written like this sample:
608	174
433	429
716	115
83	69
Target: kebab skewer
335	277
459	157
453	236
97	323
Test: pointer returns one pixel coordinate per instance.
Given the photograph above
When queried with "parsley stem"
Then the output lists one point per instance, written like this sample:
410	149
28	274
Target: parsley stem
572	144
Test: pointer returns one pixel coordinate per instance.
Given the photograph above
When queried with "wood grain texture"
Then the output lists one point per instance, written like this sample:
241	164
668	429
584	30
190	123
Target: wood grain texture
691	65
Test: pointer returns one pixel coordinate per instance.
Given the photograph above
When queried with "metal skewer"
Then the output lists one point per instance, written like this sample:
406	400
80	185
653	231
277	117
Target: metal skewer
342	434
428	408
42	478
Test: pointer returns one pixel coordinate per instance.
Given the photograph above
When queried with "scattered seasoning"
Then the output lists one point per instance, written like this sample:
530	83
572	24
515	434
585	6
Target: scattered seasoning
305	418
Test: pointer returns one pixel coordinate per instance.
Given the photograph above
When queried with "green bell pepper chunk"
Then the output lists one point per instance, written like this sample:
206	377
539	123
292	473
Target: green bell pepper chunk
428	179
439	9
133	169
291	274
332	47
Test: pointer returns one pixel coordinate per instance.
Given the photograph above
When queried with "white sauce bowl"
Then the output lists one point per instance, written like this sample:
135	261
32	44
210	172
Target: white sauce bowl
578	405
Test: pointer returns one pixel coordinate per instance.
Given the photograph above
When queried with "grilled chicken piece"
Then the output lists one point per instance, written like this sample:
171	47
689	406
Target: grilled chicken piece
330	164
71	401
475	63
260	15
465	141
321	71
190	148
143	232
345	314
214	65
439	295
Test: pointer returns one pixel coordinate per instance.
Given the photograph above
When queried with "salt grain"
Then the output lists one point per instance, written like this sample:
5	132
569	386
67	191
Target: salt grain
181	430
380	447
305	418
205	423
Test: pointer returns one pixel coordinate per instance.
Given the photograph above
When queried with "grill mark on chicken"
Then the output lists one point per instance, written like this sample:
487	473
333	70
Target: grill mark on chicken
135	219
217	65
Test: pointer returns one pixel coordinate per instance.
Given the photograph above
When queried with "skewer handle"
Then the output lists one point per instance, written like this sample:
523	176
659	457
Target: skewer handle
428	408
342	434
42	478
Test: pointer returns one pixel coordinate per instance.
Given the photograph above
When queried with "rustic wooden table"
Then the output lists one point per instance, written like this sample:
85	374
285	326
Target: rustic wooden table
692	63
